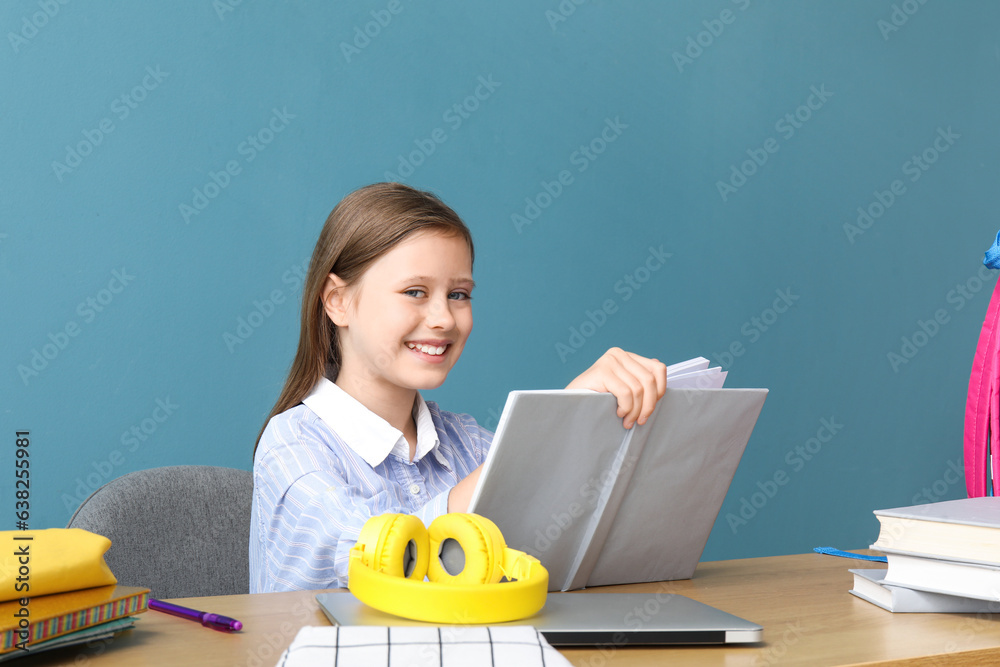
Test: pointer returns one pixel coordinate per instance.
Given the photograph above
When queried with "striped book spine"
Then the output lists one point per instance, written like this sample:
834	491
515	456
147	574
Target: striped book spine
87	617
79	619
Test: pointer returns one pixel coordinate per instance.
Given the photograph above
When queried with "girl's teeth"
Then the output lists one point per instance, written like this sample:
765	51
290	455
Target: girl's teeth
427	349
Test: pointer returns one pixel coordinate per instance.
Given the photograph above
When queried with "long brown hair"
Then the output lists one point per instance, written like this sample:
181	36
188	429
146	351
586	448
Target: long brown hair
365	225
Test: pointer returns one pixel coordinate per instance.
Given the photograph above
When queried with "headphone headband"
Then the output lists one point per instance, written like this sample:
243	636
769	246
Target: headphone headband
439	602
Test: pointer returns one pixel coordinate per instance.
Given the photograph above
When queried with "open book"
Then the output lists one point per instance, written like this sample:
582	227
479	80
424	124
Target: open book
597	504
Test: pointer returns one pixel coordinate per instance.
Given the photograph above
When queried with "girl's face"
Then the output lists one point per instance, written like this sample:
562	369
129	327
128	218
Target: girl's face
404	323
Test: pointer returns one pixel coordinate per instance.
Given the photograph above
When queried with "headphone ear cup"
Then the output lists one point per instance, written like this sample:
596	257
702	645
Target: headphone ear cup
396	544
479	540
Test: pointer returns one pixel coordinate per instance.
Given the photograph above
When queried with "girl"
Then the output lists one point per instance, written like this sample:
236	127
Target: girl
386	312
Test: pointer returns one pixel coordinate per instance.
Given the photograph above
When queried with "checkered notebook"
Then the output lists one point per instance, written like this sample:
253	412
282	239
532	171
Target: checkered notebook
370	646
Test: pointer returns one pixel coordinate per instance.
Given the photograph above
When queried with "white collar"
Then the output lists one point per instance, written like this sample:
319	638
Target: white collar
370	436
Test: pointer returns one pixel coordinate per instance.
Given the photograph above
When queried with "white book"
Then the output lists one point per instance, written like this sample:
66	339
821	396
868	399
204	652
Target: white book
598	504
869	585
967	529
950	577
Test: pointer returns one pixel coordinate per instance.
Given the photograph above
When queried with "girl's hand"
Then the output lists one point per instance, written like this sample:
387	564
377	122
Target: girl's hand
637	383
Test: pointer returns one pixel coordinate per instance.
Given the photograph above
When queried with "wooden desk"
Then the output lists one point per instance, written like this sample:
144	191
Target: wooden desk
802	601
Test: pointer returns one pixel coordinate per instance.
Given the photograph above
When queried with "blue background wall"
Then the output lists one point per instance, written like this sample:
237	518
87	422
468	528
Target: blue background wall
140	333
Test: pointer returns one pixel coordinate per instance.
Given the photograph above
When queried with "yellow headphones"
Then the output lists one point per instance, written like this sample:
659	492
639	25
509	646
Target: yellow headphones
465	558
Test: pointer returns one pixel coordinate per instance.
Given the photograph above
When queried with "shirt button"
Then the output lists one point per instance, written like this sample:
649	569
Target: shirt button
415	489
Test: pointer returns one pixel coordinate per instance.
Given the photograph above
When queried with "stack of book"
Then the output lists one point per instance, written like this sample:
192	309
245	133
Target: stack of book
942	557
64	619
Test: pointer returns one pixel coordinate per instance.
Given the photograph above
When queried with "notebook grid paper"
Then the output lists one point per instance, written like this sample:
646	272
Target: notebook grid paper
372	646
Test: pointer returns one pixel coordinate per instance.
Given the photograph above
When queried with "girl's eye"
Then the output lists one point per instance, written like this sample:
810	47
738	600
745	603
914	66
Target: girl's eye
456	296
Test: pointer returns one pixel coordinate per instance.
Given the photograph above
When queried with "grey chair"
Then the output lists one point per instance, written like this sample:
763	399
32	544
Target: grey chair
181	531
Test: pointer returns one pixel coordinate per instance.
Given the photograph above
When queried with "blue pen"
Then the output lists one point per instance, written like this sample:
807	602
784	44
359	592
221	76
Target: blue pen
214	621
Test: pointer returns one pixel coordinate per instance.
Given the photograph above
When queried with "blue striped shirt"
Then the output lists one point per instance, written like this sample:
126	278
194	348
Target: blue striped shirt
324	467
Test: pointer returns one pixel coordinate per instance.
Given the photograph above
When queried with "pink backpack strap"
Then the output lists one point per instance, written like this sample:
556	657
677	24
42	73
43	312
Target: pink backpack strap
982	410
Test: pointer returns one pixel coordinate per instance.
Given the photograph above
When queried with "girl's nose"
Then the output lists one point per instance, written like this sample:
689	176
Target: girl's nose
439	315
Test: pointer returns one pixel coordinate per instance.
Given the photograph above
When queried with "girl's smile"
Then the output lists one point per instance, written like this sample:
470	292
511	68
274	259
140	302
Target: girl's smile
432	351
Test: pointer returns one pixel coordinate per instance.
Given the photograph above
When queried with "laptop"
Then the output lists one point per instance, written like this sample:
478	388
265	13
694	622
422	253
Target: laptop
588	619
599	505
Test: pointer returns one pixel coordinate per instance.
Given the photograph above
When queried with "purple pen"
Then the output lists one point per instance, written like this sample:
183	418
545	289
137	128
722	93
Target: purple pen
214	621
